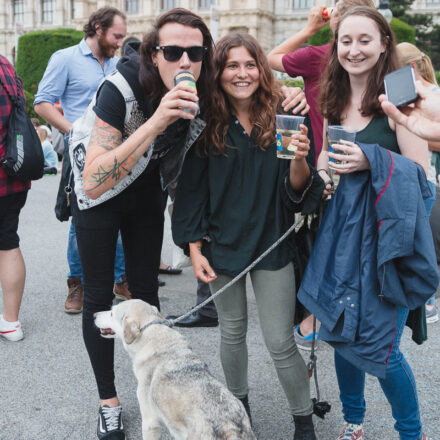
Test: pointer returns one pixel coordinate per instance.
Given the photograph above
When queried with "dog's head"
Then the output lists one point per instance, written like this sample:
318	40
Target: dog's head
126	319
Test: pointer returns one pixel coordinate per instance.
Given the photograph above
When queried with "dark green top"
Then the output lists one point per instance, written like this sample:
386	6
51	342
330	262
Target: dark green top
378	131
240	204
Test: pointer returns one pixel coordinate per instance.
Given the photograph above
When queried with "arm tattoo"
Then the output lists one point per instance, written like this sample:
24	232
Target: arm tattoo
105	137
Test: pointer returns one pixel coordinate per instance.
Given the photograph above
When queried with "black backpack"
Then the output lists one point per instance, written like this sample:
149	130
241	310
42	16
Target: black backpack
24	158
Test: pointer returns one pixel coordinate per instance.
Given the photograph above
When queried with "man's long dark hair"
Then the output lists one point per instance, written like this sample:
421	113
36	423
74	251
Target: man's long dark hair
103	17
149	76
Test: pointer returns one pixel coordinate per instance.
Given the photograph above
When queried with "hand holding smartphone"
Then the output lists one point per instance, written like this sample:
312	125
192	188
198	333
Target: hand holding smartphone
400	86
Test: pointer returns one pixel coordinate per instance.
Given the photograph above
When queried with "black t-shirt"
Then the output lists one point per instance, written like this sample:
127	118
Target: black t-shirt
110	106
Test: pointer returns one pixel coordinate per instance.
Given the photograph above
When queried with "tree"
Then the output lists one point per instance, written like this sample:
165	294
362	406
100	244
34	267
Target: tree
33	53
427	33
35	49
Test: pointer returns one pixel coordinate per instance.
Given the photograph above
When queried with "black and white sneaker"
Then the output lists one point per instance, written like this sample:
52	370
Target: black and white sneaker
110	423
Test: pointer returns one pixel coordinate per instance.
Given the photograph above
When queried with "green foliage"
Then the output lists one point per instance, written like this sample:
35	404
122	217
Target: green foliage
323	36
437	76
403	31
292	82
427	37
399	7
35	49
29	105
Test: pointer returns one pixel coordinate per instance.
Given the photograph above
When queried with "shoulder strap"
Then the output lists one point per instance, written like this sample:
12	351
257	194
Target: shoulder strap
122	84
15	99
12	98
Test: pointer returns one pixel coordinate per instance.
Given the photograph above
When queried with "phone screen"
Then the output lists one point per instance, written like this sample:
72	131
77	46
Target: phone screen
400	86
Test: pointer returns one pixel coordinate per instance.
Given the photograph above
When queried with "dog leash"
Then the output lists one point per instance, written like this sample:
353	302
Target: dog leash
172	322
319	408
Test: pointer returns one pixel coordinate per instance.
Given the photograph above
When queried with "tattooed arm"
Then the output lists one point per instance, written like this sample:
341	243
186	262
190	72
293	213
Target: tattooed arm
109	160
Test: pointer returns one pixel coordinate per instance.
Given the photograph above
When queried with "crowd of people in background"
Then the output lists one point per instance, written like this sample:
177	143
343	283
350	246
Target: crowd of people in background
233	197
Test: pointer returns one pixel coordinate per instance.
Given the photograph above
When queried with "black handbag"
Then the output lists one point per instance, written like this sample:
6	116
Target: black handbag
62	204
24	158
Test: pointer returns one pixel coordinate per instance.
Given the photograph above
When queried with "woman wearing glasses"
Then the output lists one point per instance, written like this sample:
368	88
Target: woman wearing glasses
234	199
125	163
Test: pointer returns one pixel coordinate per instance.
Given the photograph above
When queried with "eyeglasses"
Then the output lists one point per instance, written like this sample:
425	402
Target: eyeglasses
174	53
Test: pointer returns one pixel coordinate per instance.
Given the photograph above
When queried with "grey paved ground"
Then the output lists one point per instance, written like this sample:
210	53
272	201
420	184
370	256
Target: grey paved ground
47	390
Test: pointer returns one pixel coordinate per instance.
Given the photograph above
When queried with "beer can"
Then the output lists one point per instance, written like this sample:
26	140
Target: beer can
187	78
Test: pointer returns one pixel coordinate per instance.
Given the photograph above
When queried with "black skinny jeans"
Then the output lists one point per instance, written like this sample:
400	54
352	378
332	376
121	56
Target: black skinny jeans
138	214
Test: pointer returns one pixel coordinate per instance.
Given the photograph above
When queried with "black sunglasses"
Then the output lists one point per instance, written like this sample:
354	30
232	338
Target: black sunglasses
174	53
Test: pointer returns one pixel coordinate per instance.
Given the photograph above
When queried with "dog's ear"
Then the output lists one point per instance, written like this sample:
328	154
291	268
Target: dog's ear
131	329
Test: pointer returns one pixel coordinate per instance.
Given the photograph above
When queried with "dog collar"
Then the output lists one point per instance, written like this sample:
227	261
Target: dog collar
166	322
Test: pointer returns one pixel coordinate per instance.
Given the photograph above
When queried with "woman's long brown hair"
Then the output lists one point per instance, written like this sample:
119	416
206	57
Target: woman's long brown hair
264	101
336	90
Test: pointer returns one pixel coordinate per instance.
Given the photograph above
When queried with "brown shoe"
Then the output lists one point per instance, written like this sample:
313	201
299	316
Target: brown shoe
74	301
121	289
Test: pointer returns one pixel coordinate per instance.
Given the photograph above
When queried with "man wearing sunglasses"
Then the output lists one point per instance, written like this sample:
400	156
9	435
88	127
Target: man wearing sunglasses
128	162
174	53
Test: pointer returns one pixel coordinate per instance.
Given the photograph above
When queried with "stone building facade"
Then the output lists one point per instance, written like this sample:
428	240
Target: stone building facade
270	21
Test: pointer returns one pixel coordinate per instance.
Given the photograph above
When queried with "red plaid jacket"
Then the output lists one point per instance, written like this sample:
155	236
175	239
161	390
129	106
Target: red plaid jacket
8	185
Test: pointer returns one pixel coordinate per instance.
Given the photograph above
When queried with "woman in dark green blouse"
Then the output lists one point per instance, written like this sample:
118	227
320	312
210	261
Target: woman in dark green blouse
233	201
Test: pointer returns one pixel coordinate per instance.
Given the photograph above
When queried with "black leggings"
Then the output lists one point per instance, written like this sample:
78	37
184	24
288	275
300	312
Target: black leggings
138	214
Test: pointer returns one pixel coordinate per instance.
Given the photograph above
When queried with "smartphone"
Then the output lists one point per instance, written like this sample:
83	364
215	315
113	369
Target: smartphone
400	86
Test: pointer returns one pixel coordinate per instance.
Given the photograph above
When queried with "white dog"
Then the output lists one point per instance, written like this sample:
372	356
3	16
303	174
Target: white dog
174	385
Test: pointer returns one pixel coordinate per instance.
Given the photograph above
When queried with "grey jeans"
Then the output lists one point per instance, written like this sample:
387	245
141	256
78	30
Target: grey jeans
275	297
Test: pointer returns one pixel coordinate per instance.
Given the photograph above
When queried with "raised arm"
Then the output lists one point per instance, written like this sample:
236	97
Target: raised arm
109	160
315	23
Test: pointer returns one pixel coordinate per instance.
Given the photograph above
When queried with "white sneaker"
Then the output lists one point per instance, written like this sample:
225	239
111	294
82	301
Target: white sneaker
11	331
431	314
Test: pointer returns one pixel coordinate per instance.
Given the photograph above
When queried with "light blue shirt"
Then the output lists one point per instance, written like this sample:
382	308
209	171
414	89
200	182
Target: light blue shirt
50	157
72	77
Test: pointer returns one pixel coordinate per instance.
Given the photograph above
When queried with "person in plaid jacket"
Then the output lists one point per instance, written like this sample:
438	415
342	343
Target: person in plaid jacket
13	193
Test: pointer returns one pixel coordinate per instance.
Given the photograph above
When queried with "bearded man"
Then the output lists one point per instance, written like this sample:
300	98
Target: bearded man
72	77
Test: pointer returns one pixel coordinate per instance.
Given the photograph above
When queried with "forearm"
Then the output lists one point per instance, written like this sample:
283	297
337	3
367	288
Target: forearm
434	146
299	174
290	45
103	171
50	114
322	163
195	247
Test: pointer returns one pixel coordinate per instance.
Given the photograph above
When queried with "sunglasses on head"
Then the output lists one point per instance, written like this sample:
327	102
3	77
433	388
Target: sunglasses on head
174	53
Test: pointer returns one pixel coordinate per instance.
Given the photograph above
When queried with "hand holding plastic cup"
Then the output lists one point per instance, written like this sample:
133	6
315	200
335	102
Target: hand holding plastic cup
287	126
338	134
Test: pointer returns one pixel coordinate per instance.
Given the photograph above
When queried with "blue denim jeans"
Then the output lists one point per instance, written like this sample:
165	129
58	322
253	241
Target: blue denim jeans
399	387
75	269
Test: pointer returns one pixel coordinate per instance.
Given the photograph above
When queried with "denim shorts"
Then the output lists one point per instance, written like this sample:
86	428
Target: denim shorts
10	207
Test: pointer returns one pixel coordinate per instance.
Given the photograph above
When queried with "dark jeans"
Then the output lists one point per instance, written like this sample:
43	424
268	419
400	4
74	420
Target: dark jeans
138	214
399	387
